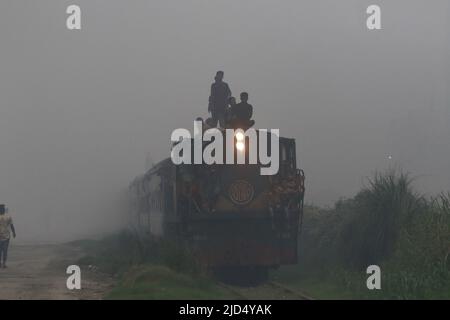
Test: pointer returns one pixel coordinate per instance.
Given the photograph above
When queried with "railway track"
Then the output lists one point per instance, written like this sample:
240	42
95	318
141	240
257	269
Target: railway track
297	293
268	291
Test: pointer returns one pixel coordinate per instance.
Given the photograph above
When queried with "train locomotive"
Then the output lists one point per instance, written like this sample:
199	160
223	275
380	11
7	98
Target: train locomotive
231	216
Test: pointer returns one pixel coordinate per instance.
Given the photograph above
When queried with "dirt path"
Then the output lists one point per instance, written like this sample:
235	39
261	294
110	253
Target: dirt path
39	272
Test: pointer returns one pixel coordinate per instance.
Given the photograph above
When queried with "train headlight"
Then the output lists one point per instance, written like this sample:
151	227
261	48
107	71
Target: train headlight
239	136
240	141
240	146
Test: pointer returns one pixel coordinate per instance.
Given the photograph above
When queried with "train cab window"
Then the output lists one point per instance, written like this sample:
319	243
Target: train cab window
283	153
292	158
287	155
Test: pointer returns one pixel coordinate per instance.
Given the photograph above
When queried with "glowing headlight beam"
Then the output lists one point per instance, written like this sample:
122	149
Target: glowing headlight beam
240	146
240	136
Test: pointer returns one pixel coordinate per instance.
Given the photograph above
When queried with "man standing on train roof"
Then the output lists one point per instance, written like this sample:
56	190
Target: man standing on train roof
218	100
242	113
6	223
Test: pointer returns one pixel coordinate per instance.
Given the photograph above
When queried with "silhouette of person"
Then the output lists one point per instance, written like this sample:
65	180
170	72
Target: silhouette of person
218	100
242	113
6	224
231	103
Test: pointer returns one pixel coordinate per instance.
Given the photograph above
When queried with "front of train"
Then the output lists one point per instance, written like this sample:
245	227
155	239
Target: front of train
237	217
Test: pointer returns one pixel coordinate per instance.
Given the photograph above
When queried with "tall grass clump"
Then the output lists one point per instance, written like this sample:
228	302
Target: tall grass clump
420	267
388	224
376	216
362	230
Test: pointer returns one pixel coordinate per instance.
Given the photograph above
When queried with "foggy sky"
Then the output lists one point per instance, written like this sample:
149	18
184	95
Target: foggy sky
81	110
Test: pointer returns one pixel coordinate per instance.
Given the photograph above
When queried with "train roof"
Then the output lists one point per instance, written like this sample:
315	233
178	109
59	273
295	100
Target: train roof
163	163
168	162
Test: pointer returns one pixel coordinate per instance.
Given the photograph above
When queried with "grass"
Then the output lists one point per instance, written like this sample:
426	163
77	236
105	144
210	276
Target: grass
160	282
117	253
149	269
388	224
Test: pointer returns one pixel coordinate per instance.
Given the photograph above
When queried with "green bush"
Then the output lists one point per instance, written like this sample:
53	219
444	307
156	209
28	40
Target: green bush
375	218
387	223
116	253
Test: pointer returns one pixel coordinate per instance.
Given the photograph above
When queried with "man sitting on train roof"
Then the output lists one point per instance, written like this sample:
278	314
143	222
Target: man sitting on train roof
241	114
228	115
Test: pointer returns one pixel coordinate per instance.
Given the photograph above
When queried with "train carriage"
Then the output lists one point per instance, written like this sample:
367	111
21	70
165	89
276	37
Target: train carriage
229	214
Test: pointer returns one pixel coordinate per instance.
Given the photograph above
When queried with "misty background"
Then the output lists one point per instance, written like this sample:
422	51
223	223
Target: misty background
81	111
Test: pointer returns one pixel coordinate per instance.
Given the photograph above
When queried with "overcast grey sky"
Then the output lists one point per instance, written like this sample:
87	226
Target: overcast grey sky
80	110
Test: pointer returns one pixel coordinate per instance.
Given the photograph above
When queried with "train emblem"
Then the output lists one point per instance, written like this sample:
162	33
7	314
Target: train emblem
241	192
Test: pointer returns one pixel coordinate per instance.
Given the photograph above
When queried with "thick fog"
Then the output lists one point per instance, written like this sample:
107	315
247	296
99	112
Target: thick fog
81	111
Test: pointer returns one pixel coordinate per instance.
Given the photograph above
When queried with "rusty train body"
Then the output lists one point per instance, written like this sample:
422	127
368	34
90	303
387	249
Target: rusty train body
229	214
